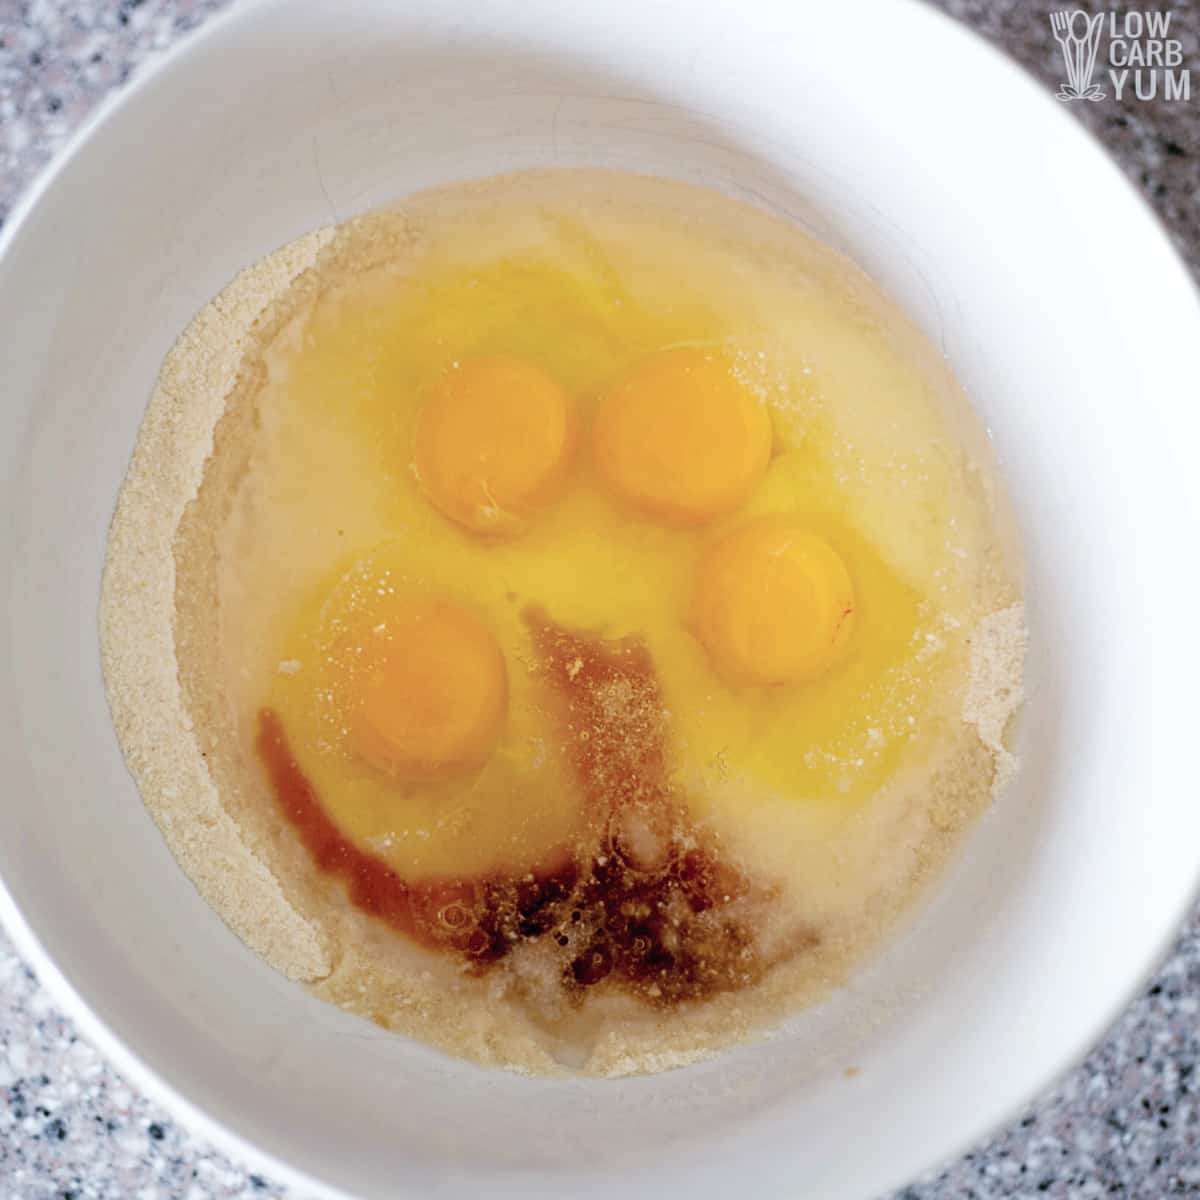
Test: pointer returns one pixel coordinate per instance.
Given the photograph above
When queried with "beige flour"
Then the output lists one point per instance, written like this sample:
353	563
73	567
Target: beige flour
161	629
137	612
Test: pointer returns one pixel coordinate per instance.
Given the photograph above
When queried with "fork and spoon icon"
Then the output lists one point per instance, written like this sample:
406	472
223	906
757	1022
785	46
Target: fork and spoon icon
1079	37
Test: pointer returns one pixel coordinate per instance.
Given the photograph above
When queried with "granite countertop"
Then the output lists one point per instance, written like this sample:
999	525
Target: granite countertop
1125	1123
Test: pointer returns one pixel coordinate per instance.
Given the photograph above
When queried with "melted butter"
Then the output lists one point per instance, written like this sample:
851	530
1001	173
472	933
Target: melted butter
584	281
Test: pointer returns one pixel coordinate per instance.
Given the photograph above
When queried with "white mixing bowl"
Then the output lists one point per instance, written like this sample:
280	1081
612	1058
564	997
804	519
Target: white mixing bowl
972	196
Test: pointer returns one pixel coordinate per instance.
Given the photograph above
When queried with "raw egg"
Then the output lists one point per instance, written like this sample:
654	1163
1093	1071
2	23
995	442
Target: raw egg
494	441
428	695
682	439
653	440
772	603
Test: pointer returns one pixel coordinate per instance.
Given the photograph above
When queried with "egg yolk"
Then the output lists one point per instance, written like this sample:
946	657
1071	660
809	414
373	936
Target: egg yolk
682	440
494	442
772	603
429	692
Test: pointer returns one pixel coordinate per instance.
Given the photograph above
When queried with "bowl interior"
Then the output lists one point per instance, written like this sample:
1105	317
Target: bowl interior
1025	257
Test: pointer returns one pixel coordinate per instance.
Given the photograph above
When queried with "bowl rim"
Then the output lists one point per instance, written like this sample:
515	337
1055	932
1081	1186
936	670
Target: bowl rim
50	975
154	1084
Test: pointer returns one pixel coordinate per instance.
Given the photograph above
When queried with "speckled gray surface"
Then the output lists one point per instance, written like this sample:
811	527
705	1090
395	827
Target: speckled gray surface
1125	1123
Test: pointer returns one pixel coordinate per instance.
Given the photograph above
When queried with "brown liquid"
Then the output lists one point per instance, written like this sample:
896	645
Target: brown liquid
643	900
